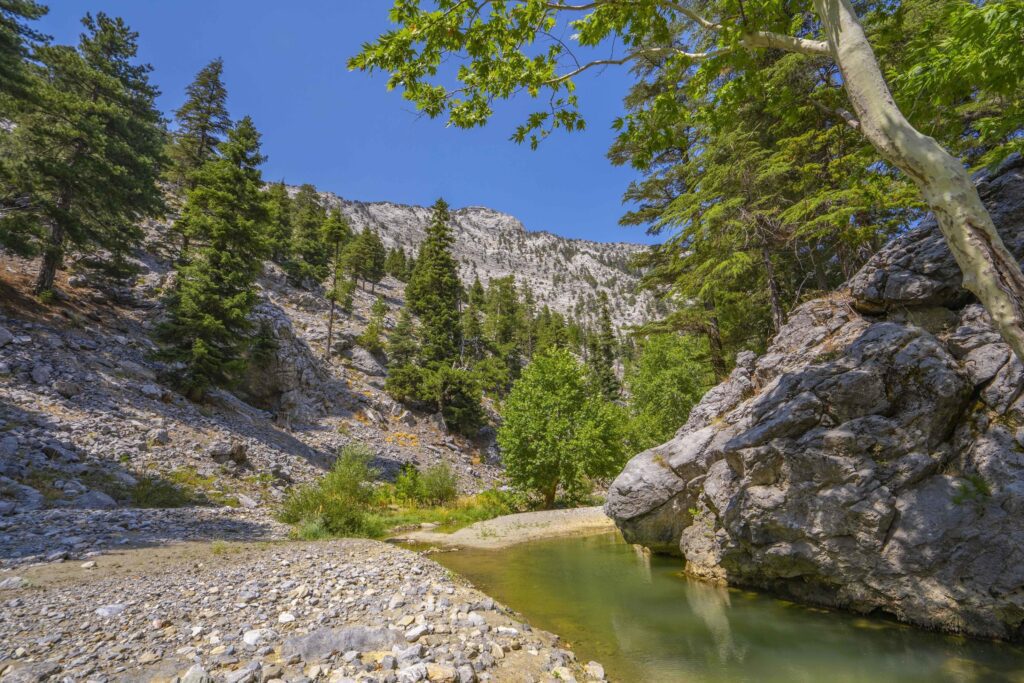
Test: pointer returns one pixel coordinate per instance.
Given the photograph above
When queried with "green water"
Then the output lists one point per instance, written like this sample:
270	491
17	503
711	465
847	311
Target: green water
646	623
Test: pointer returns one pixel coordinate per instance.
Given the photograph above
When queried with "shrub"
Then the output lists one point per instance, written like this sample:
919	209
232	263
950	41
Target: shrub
408	486
337	505
154	492
458	396
438	485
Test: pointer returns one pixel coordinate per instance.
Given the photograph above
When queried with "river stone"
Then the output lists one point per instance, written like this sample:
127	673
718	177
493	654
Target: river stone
870	459
324	642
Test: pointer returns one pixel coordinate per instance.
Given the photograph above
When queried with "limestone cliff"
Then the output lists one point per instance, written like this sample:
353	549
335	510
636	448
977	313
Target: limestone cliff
872	459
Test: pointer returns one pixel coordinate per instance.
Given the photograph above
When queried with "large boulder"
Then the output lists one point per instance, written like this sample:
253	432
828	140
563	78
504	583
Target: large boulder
872	459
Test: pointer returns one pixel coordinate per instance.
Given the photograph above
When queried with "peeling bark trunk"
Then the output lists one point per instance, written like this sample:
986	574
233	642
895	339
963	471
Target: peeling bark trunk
989	270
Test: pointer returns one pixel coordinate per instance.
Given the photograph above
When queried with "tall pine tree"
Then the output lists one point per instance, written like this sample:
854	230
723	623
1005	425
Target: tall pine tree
279	226
16	39
434	292
309	251
208	322
602	355
337	233
202	123
84	160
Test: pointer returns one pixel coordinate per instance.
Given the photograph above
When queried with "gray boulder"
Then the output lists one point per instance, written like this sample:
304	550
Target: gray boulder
94	500
324	642
872	459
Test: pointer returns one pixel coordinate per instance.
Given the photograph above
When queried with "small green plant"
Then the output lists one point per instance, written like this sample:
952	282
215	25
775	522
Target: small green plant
154	492
974	490
339	503
408	486
439	485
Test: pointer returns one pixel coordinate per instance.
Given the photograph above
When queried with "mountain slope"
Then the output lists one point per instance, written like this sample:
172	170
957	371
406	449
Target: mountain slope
566	274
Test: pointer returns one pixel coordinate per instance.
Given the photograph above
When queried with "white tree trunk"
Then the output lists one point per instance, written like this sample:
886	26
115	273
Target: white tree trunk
989	270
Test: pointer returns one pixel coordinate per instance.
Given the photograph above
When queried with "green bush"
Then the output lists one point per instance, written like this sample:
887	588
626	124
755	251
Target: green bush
154	492
457	394
338	504
408	486
439	485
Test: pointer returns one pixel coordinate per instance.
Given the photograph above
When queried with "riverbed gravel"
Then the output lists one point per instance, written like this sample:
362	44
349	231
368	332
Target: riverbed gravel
347	610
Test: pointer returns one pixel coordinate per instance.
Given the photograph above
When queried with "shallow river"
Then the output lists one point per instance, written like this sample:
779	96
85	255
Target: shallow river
646	623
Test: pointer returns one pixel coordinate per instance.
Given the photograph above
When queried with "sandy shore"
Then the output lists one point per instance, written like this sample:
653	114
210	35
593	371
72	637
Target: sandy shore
502	532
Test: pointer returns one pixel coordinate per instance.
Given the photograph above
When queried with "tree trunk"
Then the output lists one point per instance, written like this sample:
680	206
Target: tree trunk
334	301
774	293
53	255
714	335
989	270
549	496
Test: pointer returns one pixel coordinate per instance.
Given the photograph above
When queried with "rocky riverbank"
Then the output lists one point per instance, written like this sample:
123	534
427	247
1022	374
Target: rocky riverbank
871	459
508	530
347	610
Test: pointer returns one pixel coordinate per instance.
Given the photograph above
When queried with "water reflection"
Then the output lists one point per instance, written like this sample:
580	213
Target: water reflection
638	616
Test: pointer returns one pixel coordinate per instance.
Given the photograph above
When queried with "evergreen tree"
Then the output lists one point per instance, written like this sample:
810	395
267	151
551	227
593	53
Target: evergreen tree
602	354
404	381
395	264
434	291
337	233
310	253
279	226
456	394
16	39
202	122
84	160
366	258
208	310
370	339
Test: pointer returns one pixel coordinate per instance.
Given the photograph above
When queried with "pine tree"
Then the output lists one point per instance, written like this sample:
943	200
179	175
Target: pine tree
202	122
365	258
208	310
404	381
337	233
434	291
84	160
310	253
395	264
370	339
602	354
16	39
279	226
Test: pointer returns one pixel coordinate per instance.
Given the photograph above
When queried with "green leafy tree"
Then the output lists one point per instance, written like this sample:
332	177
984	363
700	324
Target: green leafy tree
202	123
310	253
556	431
670	376
83	161
208	326
713	44
279	226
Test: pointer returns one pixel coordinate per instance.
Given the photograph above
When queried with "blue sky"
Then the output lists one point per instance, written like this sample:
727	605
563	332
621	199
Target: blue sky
340	130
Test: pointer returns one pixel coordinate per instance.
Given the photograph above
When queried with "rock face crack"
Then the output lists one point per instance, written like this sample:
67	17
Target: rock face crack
872	463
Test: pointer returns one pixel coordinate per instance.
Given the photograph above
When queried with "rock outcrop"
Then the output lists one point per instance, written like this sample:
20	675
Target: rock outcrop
872	459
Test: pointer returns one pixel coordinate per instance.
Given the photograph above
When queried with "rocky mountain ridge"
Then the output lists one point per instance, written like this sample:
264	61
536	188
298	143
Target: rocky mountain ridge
871	459
565	274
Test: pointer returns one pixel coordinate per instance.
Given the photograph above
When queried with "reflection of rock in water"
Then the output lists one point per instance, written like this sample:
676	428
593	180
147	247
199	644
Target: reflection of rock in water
710	604
643	561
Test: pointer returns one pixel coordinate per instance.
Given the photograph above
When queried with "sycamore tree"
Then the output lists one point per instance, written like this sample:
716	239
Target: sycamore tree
513	47
557	430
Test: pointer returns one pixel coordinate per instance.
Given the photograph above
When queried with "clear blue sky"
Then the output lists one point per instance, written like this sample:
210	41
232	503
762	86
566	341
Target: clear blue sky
340	130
